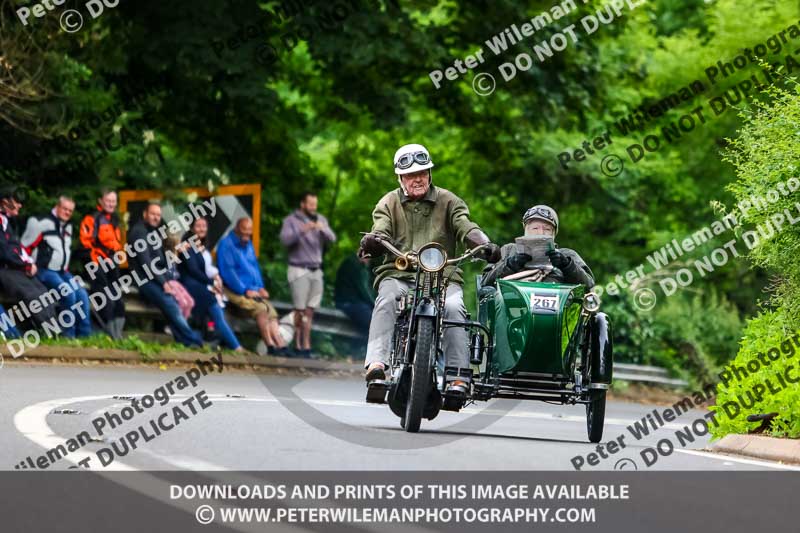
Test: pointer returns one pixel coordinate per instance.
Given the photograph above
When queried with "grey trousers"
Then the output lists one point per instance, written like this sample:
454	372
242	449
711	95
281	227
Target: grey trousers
379	347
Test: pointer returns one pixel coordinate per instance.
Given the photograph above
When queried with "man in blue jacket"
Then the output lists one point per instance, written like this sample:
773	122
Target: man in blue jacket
244	287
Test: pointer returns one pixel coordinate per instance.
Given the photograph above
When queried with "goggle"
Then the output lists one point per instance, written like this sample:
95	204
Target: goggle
540	212
406	160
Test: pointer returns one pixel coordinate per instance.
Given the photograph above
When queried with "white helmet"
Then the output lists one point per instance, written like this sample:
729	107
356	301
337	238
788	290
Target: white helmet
411	158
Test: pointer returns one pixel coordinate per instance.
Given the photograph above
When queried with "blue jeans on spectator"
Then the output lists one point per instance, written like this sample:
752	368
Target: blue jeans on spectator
226	335
153	293
11	332
53	279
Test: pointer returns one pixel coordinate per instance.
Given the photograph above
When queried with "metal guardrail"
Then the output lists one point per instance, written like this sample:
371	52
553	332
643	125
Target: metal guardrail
334	322
646	374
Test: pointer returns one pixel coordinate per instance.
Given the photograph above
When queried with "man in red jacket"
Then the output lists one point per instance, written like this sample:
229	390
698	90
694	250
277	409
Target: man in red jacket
101	238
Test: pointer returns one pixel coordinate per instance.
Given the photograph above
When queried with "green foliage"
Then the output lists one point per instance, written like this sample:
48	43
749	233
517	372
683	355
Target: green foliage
691	334
765	154
768	330
146	349
330	112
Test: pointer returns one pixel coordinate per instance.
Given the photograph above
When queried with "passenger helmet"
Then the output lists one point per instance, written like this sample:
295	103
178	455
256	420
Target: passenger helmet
542	212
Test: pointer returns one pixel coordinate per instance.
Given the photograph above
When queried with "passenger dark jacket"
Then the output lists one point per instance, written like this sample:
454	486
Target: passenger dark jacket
153	255
577	273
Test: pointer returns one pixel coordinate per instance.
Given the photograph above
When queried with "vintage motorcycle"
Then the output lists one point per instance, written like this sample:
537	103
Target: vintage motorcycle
533	340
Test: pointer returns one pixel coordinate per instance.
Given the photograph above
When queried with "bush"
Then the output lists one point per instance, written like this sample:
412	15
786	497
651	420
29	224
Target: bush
693	335
768	330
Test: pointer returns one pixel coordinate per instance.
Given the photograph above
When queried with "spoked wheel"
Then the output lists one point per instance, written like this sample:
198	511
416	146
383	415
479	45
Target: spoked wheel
595	415
420	375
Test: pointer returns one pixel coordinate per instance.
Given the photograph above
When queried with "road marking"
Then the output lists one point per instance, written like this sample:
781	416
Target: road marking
31	421
753	462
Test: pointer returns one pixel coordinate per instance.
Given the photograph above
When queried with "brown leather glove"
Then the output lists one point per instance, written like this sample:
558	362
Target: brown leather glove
490	253
371	245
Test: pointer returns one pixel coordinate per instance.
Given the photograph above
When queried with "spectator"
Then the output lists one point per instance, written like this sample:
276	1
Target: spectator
48	240
17	267
305	233
353	292
202	281
244	286
176	287
100	239
152	264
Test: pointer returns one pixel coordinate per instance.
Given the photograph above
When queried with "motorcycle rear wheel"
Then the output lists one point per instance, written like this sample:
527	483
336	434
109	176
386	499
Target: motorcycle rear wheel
420	375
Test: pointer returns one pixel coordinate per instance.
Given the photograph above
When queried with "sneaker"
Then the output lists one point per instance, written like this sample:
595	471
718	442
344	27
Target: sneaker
375	371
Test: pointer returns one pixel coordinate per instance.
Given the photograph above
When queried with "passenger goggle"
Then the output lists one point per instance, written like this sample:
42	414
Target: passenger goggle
542	213
406	160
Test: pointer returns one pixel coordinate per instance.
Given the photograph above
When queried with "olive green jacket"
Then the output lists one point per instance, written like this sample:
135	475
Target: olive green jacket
440	216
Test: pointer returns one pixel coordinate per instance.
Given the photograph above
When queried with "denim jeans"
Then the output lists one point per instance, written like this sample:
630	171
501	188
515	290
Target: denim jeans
11	332
155	295
226	334
53	279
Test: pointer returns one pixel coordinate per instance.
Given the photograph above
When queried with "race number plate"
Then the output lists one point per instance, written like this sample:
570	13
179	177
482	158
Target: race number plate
549	303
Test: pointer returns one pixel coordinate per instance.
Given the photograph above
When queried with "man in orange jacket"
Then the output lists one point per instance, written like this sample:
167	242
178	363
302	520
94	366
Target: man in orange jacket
101	238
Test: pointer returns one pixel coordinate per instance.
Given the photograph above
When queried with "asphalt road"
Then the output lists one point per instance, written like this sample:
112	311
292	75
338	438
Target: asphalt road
267	422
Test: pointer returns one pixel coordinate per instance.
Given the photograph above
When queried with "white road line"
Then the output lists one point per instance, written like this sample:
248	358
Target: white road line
753	462
31	421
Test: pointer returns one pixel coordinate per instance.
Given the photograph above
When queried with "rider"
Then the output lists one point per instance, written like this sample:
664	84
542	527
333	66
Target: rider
541	220
411	216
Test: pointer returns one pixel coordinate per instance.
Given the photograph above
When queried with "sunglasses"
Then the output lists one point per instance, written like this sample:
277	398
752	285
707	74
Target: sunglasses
406	160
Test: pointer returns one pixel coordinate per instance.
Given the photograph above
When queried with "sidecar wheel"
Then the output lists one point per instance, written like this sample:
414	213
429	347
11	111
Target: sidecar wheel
420	375
595	415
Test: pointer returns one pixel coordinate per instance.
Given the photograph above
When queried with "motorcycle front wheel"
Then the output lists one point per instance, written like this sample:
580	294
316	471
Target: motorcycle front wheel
420	375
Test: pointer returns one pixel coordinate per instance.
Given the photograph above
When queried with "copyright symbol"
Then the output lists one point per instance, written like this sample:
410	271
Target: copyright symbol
644	299
481	88
612	165
266	54
68	23
626	464
204	514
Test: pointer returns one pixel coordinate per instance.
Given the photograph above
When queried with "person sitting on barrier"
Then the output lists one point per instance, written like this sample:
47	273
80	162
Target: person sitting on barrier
243	285
17	268
100	240
540	220
151	264
205	289
48	239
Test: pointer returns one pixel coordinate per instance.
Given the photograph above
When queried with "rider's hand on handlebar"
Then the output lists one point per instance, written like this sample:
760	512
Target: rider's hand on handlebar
490	253
558	259
517	261
371	245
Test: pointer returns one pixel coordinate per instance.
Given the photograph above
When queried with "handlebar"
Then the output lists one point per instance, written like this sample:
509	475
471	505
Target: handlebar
411	256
